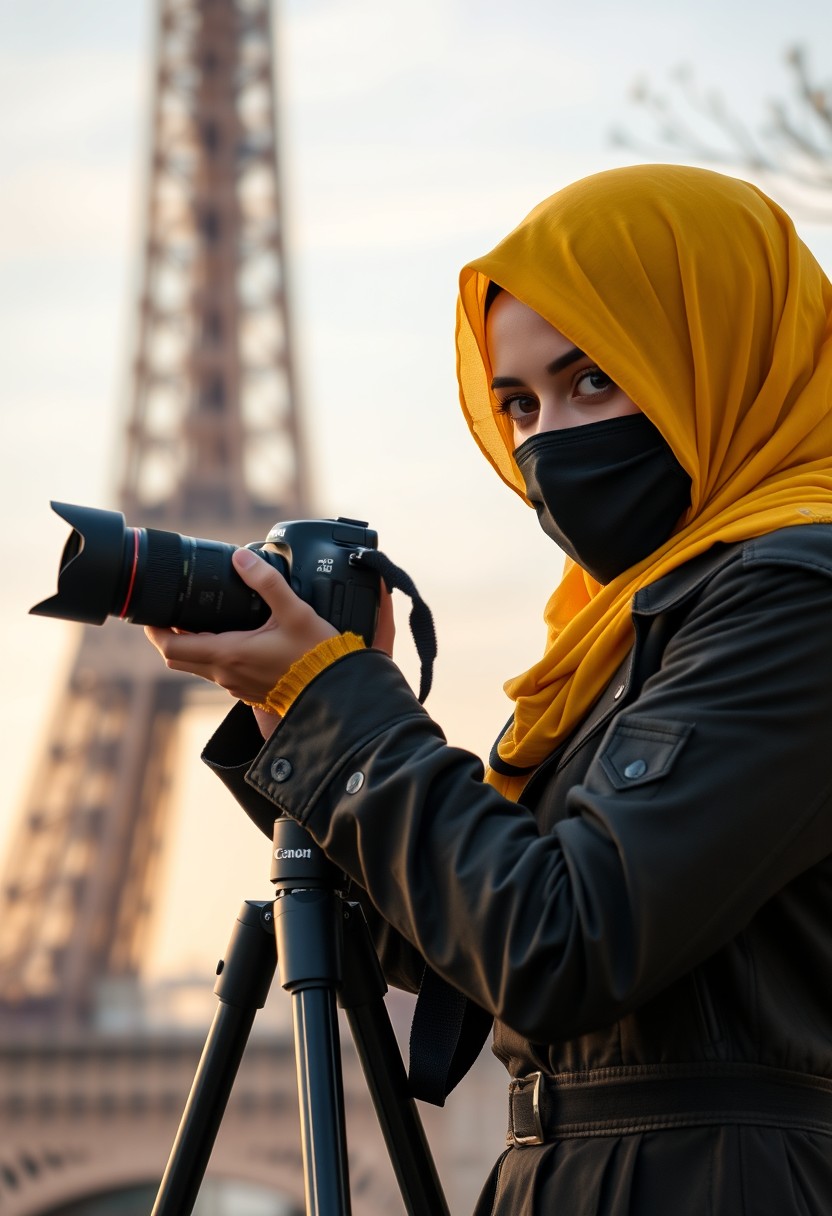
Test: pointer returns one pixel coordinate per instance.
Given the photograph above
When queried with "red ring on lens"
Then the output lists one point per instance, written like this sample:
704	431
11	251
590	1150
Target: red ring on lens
133	570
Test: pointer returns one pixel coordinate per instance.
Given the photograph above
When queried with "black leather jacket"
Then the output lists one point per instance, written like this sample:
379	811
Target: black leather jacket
664	895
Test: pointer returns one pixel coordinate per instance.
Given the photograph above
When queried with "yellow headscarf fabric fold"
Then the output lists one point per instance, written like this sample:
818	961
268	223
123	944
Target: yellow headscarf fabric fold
695	295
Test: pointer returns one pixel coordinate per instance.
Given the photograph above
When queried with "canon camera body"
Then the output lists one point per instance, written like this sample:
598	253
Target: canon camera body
151	577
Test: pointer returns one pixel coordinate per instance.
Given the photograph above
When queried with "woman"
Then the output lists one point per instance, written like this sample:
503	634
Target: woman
640	892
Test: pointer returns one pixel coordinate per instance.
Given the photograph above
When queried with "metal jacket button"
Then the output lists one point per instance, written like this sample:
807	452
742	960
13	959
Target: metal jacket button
281	769
636	768
355	783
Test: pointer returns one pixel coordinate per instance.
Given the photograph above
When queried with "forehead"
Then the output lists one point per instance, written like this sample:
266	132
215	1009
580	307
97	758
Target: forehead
513	331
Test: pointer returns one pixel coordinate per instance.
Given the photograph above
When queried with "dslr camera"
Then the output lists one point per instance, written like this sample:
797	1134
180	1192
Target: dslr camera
151	577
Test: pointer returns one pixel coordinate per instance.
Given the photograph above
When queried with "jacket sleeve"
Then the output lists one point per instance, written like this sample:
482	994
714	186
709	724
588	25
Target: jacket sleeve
230	753
705	797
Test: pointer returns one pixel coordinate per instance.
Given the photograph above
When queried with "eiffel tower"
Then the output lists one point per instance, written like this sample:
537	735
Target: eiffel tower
213	449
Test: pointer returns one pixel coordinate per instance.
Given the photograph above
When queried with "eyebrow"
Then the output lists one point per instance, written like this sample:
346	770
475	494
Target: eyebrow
557	365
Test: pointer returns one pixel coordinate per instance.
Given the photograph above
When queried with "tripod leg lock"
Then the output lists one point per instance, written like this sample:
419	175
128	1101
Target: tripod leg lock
308	930
245	975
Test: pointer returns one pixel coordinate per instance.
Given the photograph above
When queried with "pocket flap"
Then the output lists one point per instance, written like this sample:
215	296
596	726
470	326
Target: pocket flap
640	750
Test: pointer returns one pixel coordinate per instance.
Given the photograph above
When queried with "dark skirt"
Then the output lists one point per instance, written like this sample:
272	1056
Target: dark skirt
699	1171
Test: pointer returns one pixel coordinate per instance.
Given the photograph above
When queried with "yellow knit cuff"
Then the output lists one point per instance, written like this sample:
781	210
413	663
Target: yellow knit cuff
289	687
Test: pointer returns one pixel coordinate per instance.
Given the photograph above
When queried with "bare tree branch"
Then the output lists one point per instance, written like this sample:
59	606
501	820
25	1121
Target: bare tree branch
791	152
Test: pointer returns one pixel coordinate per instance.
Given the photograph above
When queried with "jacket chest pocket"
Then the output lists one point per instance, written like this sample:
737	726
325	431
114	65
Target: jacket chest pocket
639	750
647	741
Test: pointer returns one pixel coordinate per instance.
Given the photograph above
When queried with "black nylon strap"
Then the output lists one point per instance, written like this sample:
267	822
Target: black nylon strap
421	617
446	1037
448	1030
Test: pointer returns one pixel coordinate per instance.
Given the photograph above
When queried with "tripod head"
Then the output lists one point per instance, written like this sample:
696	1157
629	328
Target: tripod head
299	863
307	912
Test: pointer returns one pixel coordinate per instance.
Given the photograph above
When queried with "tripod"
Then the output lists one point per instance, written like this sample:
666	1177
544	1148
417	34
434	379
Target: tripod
323	945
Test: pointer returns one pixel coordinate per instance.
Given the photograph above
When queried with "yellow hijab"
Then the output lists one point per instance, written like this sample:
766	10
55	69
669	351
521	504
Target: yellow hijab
694	293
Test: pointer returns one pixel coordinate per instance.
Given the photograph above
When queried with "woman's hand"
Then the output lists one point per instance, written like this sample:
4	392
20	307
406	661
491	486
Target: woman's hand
249	663
385	626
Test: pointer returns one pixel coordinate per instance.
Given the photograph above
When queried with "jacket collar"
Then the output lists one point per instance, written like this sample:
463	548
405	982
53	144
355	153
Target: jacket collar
808	546
674	588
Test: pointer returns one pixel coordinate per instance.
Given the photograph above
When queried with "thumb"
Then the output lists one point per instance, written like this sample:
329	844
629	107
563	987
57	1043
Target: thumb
261	576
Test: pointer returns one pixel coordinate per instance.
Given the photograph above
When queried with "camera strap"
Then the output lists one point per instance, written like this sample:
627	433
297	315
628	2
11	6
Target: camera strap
446	1036
421	617
448	1029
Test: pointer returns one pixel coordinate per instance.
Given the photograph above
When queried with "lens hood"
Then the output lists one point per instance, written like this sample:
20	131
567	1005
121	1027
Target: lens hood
92	566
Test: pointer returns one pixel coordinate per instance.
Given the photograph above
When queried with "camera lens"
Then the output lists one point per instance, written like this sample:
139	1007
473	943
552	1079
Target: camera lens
150	577
190	583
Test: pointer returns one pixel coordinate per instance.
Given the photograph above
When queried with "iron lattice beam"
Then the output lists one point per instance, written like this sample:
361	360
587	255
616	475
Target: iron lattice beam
212	448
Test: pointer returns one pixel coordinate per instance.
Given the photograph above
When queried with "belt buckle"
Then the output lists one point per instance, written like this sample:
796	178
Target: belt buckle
535	1080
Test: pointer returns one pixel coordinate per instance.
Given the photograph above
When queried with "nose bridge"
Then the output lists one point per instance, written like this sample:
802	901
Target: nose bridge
550	415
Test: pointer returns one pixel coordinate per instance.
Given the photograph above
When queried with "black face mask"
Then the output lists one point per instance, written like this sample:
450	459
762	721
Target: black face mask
607	493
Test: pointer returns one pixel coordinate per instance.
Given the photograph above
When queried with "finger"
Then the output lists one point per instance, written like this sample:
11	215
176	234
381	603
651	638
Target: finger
266	721
183	648
262	577
162	639
206	656
158	637
386	626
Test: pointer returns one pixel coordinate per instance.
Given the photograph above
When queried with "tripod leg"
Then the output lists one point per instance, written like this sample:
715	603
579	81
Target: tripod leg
362	997
324	945
307	930
243	985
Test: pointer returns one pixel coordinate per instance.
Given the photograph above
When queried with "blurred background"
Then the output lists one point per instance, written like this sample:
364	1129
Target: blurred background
413	137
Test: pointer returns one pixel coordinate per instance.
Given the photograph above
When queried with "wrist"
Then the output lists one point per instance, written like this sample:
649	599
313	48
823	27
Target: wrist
290	685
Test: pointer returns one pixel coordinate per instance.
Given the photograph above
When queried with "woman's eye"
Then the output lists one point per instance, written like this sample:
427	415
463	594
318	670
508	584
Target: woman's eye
592	383
519	408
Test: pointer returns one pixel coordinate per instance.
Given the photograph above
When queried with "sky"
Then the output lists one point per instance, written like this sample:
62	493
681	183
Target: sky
414	137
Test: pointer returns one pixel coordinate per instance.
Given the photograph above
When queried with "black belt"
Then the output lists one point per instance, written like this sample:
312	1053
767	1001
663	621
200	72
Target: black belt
618	1101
